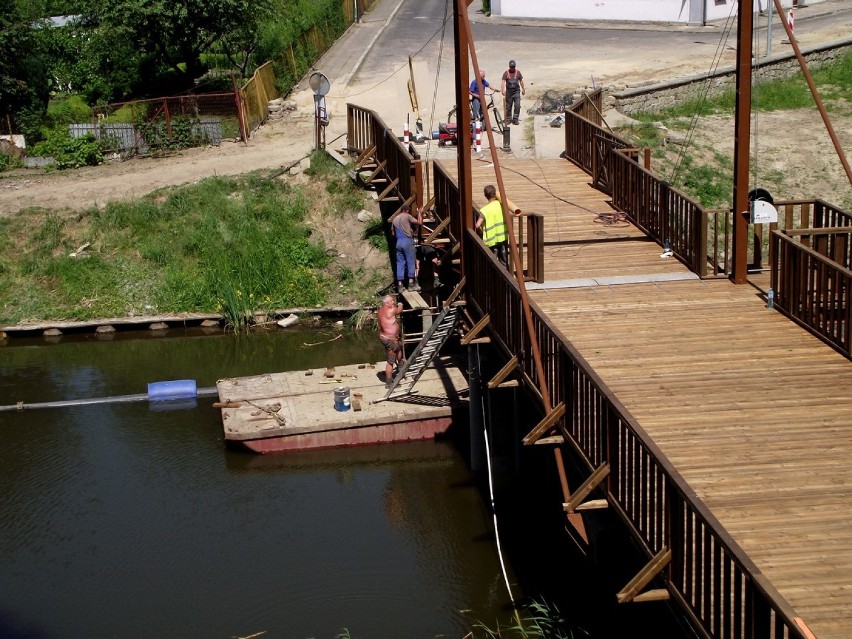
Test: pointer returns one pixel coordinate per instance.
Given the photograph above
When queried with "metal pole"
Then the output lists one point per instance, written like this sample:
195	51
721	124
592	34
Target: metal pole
475	403
838	149
575	519
769	29
742	136
463	118
317	99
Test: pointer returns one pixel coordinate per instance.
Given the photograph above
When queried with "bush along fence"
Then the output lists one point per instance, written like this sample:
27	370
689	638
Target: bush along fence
164	124
277	77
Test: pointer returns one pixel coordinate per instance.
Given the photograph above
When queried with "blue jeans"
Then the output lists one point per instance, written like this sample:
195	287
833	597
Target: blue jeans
476	109
404	257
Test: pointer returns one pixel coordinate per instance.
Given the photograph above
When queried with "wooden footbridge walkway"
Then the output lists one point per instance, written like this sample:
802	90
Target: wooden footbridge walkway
718	429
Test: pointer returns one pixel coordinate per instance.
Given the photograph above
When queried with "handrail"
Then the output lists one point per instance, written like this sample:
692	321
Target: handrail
699	238
709	575
813	286
365	129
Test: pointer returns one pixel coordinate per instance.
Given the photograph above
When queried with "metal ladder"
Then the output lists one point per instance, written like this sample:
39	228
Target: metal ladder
407	376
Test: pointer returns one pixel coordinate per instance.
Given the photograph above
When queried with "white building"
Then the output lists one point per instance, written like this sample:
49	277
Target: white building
682	11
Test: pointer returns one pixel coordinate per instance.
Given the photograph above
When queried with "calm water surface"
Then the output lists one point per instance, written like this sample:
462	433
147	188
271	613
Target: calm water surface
124	521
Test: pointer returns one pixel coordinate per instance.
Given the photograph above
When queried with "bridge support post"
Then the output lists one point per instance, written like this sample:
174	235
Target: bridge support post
476	409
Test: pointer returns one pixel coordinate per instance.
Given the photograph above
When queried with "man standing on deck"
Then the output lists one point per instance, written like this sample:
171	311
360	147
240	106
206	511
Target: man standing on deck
402	228
493	225
389	336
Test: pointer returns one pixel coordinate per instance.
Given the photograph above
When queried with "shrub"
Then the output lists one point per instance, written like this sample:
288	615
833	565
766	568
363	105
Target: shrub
69	152
185	133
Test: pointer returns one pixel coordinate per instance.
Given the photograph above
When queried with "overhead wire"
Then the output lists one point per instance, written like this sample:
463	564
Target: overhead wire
714	65
413	55
755	105
435	90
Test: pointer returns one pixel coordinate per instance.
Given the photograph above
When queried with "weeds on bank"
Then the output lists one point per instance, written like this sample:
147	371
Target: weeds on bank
538	619
345	196
227	245
374	233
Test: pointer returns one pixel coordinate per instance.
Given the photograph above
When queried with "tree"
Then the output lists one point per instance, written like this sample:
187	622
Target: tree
24	80
173	34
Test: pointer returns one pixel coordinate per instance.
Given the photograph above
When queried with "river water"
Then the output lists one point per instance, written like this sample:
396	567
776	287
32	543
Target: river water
124	520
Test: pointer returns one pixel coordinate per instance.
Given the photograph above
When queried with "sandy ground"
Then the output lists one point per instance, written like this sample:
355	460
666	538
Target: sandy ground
799	149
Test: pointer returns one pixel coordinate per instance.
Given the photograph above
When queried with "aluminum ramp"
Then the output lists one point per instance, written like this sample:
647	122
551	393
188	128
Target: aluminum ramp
408	374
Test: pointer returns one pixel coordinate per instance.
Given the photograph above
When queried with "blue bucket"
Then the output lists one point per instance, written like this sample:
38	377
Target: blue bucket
341	398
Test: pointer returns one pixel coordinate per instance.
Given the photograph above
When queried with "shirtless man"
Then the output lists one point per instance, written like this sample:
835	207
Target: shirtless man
389	335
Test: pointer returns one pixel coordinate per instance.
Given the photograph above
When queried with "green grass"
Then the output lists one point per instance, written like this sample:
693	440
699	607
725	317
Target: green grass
710	180
224	244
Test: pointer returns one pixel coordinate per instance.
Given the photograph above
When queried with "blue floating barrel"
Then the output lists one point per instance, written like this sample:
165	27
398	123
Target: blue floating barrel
175	389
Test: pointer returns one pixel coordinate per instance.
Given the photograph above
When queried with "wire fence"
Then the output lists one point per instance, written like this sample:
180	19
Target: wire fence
142	127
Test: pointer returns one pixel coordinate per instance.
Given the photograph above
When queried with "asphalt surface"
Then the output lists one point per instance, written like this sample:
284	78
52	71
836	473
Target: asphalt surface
369	65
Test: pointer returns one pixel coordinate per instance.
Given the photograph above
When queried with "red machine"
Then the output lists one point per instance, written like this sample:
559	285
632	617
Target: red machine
448	131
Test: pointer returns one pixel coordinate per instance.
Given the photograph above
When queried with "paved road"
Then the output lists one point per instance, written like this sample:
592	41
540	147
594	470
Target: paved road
551	56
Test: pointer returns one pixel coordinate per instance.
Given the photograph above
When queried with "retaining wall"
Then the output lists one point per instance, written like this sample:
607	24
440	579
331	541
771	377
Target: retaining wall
655	97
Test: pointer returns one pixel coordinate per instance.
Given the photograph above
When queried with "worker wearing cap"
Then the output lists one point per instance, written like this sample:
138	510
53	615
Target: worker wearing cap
512	87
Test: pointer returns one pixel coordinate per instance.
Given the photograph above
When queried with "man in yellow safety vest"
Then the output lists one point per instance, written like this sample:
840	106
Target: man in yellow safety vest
493	225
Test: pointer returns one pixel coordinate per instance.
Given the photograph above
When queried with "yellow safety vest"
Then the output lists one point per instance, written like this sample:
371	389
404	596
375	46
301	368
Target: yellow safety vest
494	227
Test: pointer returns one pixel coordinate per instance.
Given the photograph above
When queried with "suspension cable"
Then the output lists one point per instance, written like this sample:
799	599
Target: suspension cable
702	98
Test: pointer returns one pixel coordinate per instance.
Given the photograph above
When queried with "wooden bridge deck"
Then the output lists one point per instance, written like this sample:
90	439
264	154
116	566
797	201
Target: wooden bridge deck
754	412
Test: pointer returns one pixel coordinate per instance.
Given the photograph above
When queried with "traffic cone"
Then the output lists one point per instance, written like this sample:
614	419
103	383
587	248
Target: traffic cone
790	21
478	137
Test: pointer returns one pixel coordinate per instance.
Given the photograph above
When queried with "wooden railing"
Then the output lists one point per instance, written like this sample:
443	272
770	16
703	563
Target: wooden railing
446	192
589	107
792	214
365	129
812	281
711	578
663	212
699	238
528	227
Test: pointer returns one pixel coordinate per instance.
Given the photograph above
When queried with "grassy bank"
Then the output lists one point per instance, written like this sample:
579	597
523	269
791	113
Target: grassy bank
703	169
228	245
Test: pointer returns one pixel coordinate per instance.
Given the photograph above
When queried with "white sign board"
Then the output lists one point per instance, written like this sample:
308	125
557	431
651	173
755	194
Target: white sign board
763	212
